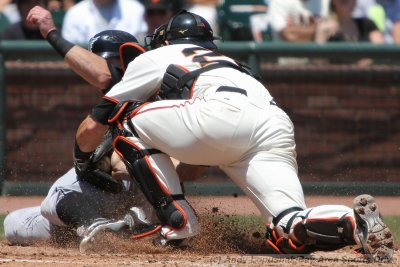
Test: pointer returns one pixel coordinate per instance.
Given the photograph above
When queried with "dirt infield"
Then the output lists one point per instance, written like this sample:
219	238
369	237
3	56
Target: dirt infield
216	246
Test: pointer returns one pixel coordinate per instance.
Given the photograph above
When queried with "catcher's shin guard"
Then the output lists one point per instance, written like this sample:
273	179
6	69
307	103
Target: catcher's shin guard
138	164
327	227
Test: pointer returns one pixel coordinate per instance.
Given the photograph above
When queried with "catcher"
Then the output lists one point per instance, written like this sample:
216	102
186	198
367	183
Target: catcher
217	113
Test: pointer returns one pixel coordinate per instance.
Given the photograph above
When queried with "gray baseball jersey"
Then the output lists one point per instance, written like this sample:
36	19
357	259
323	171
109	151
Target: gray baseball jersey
29	225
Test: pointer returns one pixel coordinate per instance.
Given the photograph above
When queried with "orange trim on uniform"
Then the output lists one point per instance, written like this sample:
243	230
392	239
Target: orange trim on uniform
274	235
166	191
322	219
351	219
189	102
163	188
121	109
158	228
194	82
293	246
111	99
139	108
182	68
185	219
273	246
126	140
140	49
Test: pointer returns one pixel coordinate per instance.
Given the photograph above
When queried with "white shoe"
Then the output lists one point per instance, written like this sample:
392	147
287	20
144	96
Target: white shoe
374	236
91	234
139	225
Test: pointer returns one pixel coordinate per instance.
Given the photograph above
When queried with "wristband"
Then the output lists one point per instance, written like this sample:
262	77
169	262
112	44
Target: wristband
102	111
61	45
79	154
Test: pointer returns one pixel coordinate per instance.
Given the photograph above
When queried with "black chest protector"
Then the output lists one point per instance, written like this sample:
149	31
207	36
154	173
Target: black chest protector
178	82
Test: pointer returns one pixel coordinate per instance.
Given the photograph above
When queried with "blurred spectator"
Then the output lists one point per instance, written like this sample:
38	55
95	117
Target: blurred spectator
21	30
318	8
362	8
292	21
156	13
344	27
177	5
372	10
56	7
260	25
392	22
235	18
89	17
10	10
4	21
206	9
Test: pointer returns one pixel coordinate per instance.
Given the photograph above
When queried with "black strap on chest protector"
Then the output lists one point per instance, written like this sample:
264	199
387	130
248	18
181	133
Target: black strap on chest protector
177	82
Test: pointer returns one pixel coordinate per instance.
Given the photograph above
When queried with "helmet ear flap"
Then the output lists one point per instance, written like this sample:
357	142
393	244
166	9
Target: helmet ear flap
128	52
107	43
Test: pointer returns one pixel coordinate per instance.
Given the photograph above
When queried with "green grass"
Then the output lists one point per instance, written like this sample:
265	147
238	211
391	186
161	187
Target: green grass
2	216
393	222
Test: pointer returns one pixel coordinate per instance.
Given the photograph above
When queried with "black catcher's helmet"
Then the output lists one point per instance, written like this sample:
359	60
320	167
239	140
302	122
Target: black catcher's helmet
184	28
106	43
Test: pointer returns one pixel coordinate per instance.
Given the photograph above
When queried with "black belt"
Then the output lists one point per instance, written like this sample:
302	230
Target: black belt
232	89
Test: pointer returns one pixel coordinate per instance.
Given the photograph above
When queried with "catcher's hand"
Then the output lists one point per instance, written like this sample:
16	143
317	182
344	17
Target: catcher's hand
96	169
89	172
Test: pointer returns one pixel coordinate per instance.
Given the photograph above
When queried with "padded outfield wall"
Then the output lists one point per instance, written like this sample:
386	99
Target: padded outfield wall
346	116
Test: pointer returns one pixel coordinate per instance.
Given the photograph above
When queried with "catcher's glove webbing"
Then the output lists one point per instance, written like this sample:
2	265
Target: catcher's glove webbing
96	169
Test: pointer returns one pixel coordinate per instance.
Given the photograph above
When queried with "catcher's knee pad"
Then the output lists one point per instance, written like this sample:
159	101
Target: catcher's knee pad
139	167
302	234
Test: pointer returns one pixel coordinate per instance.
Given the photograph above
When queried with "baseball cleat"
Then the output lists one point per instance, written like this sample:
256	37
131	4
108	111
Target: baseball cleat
138	224
375	237
94	232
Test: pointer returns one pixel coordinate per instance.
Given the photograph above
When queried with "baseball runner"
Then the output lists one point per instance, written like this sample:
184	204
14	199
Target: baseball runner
87	194
216	113
81	202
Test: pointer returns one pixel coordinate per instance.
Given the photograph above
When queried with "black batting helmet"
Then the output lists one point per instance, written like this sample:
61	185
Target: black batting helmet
184	28
106	43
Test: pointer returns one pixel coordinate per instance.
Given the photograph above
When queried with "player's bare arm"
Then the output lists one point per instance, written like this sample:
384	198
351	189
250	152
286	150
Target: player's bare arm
89	66
89	134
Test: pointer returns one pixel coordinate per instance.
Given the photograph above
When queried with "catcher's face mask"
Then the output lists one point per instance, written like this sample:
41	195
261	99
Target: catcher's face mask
157	39
184	28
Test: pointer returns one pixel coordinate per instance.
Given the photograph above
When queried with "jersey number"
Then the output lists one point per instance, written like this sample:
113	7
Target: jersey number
204	56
